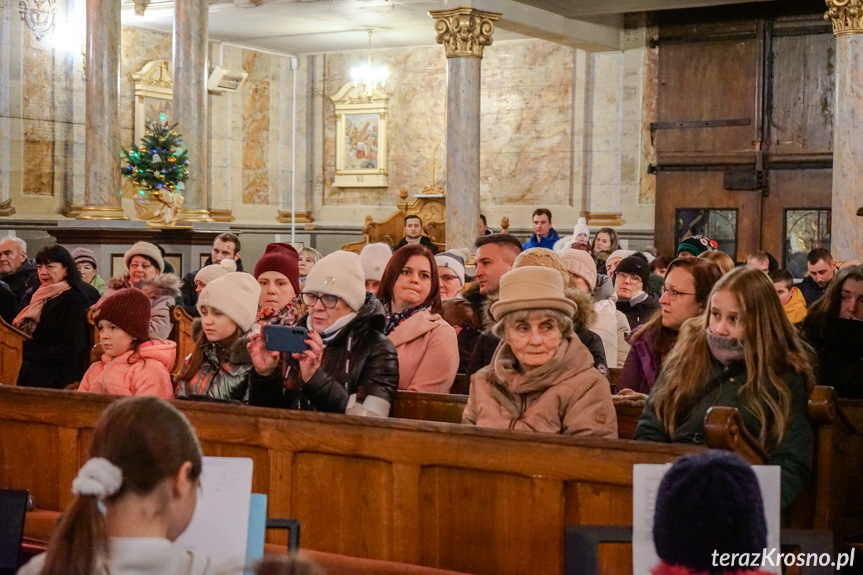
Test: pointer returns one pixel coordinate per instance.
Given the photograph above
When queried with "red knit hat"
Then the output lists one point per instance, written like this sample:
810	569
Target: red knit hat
282	258
128	309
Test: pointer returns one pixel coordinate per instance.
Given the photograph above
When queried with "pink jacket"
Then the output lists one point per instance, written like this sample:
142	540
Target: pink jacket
428	353
566	395
148	373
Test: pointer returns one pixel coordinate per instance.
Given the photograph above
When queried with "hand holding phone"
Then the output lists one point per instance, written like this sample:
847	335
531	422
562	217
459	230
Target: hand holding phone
285	339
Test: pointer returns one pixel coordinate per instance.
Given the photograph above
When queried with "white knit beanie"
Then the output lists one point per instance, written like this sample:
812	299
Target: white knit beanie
236	295
374	258
579	263
145	249
341	274
208	273
581	228
619	254
452	261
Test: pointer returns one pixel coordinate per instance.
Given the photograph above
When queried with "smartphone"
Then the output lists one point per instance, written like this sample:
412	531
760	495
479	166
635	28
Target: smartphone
284	338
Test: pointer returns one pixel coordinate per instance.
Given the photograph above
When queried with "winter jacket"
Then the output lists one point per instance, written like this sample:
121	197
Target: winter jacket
565	395
795	309
424	242
794	454
146	373
640	310
21	280
643	364
98	283
224	372
427	347
623	333
57	353
164	293
358	360
470	293
584	316
8	303
546	242
839	353
460	314
145	556
605	324
811	291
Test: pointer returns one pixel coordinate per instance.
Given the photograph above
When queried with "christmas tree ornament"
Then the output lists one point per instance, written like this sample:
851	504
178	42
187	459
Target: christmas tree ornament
172	159
142	150
156	158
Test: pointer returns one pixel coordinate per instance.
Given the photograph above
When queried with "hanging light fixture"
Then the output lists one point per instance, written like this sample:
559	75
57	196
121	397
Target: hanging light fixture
367	77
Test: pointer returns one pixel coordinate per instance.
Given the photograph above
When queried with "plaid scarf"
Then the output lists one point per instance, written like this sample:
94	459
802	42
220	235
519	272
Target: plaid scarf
395	319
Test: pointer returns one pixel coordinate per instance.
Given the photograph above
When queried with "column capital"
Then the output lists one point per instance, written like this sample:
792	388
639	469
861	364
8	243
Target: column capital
464	32
846	16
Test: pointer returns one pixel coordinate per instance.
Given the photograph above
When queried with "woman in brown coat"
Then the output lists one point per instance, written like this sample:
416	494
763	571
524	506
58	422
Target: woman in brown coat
541	377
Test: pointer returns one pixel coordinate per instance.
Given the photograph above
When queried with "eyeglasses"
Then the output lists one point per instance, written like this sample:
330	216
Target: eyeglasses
673	294
311	299
448	277
629	278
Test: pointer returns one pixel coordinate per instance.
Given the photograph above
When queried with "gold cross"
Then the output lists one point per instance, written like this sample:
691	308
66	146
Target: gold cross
432	166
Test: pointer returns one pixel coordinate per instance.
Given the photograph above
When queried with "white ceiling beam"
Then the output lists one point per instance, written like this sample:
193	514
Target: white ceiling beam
595	35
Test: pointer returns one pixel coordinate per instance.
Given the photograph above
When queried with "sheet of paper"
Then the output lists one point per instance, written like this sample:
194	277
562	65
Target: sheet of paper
646	479
220	525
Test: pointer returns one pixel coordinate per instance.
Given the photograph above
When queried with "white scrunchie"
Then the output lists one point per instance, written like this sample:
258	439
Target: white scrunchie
99	478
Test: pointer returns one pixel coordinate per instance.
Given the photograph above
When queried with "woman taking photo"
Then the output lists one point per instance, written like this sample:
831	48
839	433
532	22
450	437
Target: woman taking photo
278	275
687	285
349	367
55	316
541	377
741	352
427	345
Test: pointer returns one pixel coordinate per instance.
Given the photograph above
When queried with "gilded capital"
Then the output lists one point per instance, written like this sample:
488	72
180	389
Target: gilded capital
846	16
464	32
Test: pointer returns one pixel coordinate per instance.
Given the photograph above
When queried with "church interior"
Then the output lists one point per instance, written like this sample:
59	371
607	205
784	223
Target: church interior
323	123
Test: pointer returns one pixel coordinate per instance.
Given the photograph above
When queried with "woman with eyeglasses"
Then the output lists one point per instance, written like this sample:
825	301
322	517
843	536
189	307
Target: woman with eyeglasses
426	344
688	282
350	366
630	285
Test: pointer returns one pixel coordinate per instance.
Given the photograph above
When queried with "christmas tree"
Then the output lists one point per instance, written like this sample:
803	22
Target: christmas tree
159	164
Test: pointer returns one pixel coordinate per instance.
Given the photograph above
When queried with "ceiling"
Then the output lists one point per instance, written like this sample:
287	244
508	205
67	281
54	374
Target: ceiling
320	26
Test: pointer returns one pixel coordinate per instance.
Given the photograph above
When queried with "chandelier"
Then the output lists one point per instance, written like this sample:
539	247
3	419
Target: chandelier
367	77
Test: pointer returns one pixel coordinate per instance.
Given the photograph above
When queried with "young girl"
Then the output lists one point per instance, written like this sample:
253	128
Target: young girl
220	365
131	363
741	352
135	495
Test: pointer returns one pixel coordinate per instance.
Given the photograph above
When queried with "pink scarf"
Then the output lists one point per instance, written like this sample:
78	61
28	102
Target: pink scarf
29	317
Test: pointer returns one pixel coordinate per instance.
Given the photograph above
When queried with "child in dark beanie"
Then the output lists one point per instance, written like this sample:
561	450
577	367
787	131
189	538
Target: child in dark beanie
708	504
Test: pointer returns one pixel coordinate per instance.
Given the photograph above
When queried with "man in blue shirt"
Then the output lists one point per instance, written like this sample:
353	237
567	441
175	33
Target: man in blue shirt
544	236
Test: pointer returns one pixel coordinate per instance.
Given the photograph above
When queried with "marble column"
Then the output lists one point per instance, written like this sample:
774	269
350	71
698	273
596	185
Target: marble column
847	227
102	147
464	32
191	27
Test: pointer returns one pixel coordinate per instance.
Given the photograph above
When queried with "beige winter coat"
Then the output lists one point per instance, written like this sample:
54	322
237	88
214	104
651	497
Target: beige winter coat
428	353
566	395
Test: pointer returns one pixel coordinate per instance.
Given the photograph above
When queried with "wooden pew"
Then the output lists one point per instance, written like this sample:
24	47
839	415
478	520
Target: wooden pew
181	334
434	494
11	353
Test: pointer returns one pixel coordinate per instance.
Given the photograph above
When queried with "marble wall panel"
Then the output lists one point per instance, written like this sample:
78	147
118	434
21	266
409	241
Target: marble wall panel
256	128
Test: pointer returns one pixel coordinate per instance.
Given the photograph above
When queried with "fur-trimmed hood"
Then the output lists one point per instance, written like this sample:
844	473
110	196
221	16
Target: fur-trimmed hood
582	319
238	354
160	286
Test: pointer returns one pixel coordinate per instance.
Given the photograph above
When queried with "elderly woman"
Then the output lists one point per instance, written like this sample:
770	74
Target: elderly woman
146	272
427	345
350	366
55	315
278	275
541	377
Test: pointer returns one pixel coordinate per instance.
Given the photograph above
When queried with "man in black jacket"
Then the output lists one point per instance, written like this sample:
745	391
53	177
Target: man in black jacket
414	235
16	270
821	268
225	245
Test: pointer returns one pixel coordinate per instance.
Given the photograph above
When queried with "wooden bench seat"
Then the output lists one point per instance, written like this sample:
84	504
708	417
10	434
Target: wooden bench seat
11	353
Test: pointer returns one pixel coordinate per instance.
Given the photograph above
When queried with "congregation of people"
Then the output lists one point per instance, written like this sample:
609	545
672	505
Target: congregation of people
537	326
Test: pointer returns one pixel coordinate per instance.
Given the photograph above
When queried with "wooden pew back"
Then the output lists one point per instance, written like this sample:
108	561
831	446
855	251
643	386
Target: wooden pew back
11	353
434	494
181	334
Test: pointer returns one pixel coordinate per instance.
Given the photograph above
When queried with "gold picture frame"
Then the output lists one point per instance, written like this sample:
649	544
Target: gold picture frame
361	138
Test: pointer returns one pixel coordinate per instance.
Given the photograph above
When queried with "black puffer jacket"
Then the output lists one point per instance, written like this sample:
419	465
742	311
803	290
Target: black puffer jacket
359	360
